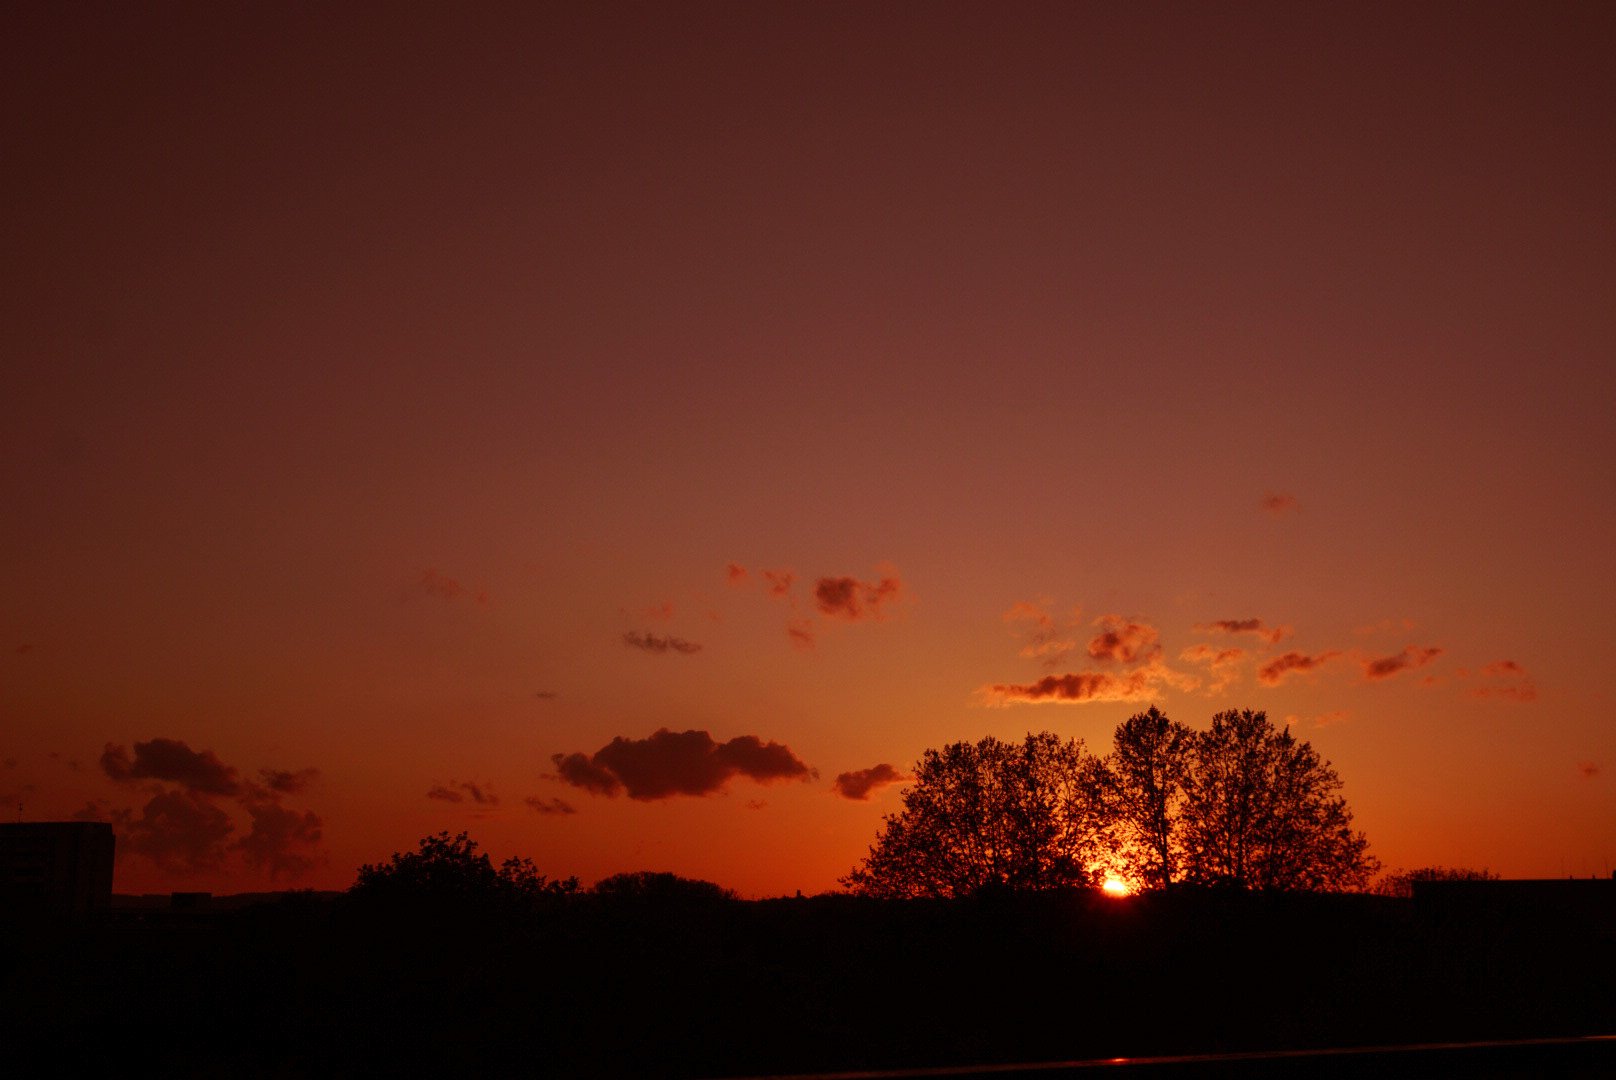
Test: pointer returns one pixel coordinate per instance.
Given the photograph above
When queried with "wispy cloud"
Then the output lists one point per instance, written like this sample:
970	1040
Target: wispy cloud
654	643
1588	769
858	785
1270	635
1384	667
439	584
1074	688
1048	640
1280	668
1502	679
737	575
549	806
672	763
459	792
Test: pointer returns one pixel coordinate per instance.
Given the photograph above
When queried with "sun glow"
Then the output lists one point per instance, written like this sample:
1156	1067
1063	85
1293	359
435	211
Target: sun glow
1116	887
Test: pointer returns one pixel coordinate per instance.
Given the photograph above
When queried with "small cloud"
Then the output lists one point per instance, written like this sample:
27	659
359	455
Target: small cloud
662	611
801	632
1276	503
171	760
1223	663
1270	635
1123	640
456	792
1047	639
779	581
549	806
1337	716
851	599
1386	666
285	782
447	587
655	644
1074	688
858	785
1588	769
1502	679
737	575
1279	669
755	804
672	763
546	695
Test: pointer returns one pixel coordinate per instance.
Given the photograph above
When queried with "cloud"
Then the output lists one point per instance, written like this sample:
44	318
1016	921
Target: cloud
672	763
779	581
447	587
1123	640
283	842
549	806
663	611
1269	634
580	772
1075	688
1279	669
858	785
801	632
546	695
475	792
1503	679
284	782
1047	639
1386	666
1588	769
851	599
737	575
1276	504
1223	663
171	760
180	831
653	643
443	794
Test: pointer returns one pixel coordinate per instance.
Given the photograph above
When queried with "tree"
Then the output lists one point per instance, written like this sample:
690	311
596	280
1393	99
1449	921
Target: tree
1145	776
1261	810
448	871
991	814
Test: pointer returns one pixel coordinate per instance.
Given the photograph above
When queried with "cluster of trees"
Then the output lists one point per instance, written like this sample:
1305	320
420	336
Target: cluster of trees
1241	803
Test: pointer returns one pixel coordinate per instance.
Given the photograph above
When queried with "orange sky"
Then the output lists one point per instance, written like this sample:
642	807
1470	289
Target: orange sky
401	397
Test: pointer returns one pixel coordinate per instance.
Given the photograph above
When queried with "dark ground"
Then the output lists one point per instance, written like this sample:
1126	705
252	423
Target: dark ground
583	986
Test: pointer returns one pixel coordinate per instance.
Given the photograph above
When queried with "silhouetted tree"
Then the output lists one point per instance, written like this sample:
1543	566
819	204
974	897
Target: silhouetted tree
1145	775
447	870
1401	882
1261	809
991	814
661	887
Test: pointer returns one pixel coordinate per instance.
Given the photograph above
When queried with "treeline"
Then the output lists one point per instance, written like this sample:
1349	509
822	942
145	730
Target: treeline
1241	803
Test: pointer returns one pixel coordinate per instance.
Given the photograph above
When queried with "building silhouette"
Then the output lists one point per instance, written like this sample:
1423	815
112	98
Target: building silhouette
55	869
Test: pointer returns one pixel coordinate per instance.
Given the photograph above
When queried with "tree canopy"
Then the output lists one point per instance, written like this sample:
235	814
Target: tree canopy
1242	803
991	814
446	871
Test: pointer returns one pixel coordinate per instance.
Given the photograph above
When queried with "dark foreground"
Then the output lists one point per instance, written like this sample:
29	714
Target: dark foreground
585	986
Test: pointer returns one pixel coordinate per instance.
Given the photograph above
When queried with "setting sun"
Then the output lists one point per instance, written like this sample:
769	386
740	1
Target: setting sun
1116	887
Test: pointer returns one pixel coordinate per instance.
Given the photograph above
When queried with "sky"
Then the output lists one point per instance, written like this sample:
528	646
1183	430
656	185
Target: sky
633	433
